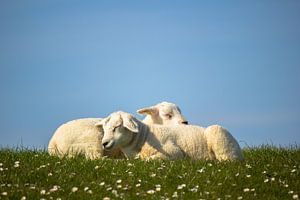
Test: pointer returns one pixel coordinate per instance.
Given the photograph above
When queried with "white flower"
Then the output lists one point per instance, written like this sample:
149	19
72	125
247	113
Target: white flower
150	192
194	189
158	187
43	192
248	166
201	170
102	183
272	179
180	187
152	175
1	169
237	174
138	185
291	192
106	198
295	196
175	195
90	191
246	189
115	192
266	180
74	189
294	170
86	189
23	198
96	167
119	181
54	189
4	193
1	164
248	175
50	174
240	197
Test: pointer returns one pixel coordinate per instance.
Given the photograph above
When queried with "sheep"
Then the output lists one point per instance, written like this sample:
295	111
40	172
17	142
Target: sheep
137	139
81	136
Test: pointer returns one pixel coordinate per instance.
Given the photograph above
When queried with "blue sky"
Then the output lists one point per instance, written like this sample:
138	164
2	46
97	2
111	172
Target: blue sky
233	63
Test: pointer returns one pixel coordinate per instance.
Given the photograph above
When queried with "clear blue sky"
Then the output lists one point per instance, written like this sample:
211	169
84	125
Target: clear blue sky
234	63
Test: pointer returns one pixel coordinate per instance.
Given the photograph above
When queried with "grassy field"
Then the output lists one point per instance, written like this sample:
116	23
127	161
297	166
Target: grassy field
266	173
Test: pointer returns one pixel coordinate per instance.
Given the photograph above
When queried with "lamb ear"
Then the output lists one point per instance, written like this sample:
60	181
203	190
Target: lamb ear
148	111
131	124
99	124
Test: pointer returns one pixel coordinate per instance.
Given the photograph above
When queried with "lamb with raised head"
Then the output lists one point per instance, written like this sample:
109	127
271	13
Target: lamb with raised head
81	136
136	139
163	113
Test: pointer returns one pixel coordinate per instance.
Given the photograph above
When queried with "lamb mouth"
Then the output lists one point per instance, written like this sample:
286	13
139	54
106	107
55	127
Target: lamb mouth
108	145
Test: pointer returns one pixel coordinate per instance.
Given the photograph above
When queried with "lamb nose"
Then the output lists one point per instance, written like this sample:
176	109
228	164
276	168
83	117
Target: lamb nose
104	144
185	122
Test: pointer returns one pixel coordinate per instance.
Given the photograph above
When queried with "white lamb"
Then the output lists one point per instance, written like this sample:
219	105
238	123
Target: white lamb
81	136
163	113
136	139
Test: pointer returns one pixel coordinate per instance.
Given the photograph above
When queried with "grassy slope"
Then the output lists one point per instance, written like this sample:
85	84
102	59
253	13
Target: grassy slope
266	173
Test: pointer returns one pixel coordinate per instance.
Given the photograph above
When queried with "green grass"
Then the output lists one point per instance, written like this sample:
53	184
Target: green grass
266	173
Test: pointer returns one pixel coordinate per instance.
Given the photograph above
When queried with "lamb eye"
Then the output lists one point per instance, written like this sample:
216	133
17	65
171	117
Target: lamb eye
168	116
115	129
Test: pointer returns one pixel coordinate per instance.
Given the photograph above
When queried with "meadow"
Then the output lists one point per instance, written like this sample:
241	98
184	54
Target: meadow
267	173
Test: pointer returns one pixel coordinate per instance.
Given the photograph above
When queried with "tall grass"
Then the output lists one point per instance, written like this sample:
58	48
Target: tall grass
266	173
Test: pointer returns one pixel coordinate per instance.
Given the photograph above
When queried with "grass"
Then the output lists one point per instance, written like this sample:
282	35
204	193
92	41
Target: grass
266	173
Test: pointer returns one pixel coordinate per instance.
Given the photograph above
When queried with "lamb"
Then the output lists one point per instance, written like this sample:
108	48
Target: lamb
137	139
81	136
163	113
